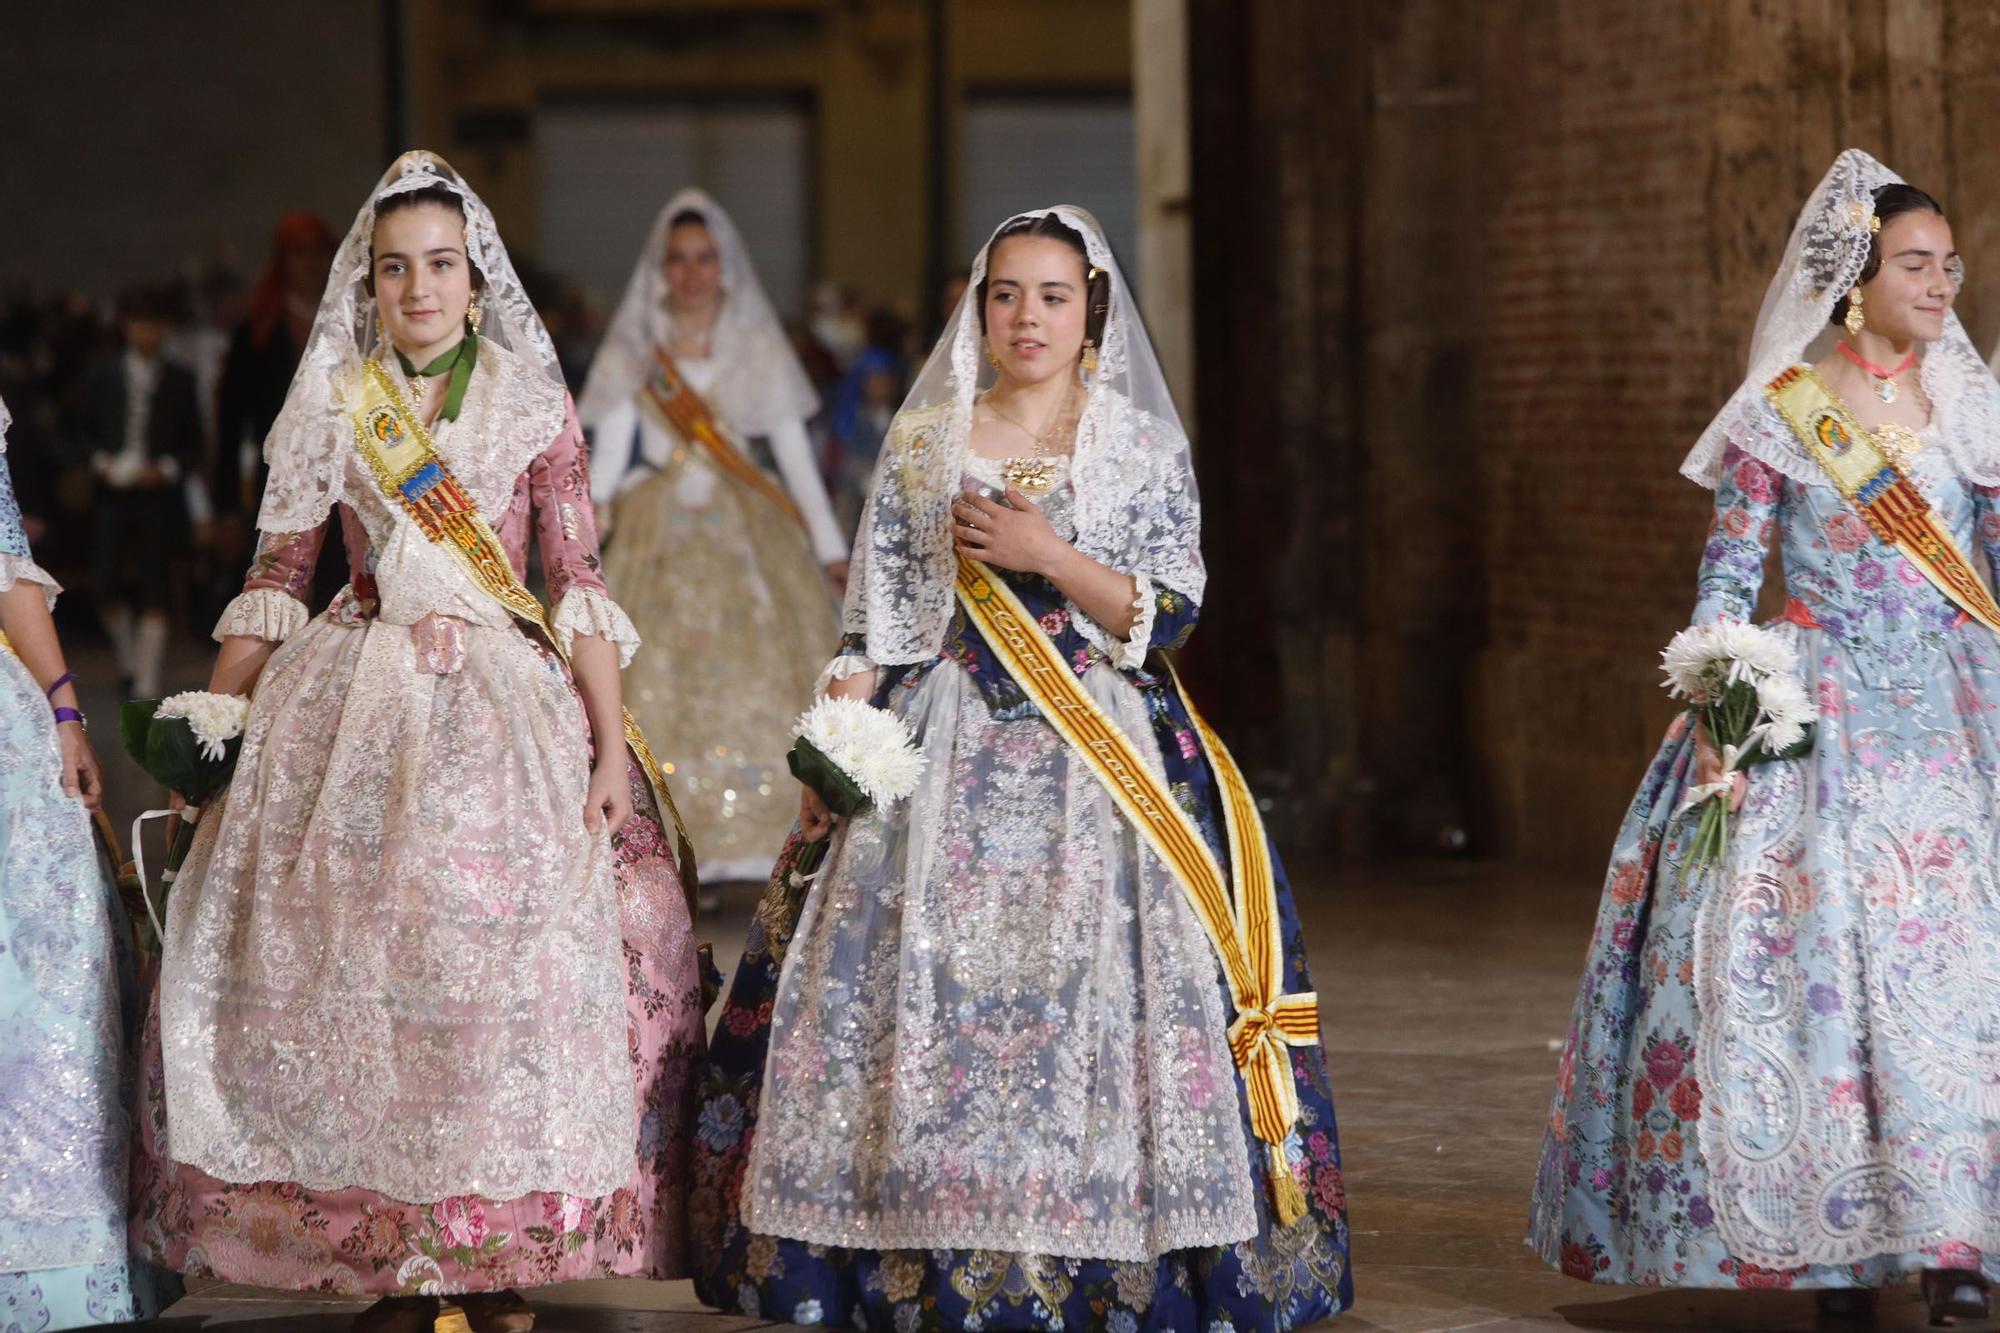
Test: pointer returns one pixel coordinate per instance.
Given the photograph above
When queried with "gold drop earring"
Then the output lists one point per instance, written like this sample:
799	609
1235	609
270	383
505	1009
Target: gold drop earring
1097	311
1854	321
472	314
992	357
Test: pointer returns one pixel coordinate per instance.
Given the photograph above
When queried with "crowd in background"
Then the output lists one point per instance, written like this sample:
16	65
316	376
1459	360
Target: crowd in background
139	423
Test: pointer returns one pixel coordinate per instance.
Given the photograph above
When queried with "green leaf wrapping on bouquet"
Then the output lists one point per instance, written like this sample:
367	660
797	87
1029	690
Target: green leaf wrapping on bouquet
167	749
815	770
135	722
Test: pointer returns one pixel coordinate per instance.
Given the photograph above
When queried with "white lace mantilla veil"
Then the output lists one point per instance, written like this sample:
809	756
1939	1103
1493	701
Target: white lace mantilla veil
1136	506
1822	263
760	383
312	440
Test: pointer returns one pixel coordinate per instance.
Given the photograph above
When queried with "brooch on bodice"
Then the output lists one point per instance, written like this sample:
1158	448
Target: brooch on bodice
1900	443
1034	475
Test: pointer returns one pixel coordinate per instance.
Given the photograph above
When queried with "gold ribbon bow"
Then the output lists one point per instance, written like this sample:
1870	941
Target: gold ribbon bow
1260	1039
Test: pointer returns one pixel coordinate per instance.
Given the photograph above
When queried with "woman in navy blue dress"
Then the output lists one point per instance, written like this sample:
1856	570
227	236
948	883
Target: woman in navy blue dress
978	1072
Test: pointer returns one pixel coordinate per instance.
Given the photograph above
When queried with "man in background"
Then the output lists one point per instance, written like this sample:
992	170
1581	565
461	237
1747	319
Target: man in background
141	423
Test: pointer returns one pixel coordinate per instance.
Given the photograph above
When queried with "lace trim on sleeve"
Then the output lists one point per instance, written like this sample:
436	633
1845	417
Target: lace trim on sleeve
840	668
262	613
1146	608
1127	653
588	611
20	569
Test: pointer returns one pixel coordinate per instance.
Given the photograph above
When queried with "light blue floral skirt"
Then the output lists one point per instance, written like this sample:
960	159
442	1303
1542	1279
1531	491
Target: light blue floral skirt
65	974
1784	1070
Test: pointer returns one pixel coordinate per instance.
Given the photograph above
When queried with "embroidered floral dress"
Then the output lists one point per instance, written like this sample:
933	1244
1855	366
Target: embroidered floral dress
719	577
997	959
422	1031
745	587
64	961
1785	1071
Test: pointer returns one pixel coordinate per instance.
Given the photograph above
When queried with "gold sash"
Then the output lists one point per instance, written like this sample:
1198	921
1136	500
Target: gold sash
410	473
1869	479
689	416
1243	928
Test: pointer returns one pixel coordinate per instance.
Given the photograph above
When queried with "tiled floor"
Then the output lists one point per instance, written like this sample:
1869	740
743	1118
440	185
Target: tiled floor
1444	988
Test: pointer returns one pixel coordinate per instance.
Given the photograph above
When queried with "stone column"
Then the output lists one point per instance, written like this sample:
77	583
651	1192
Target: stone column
1278	98
1166	259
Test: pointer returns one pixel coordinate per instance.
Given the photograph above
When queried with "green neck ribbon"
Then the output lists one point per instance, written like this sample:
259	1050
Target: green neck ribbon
457	363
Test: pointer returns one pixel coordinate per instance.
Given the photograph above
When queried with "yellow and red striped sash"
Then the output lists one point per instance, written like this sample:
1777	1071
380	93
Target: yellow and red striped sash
1242	927
1869	479
407	468
689	416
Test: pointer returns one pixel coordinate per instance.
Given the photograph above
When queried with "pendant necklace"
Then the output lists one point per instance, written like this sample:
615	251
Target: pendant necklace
1885	380
1035	474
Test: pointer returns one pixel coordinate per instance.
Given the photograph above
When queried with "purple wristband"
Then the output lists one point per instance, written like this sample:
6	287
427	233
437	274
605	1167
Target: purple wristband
70	715
62	680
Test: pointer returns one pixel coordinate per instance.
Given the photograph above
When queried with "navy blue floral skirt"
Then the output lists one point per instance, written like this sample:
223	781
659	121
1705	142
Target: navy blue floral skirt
1283	1278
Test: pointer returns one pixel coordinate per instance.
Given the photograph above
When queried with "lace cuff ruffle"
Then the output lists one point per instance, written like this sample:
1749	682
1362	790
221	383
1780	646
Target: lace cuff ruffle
840	668
20	569
262	613
1127	652
1131	654
588	611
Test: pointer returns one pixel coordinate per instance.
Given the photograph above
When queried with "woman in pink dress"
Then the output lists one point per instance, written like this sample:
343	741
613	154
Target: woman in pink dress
429	1015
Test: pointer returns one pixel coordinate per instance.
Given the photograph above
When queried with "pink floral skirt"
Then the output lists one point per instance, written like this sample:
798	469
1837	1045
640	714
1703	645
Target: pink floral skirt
279	1234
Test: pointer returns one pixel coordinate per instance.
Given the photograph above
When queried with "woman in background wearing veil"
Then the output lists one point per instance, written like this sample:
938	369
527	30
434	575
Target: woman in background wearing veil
65	985
1784	1070
1010	1062
724	569
429	1014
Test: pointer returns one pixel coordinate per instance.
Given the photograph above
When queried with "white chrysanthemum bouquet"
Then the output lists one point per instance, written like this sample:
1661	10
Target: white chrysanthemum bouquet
1742	681
188	743
855	756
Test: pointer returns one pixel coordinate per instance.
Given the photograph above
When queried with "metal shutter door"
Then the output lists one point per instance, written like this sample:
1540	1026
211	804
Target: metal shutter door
607	170
1028	152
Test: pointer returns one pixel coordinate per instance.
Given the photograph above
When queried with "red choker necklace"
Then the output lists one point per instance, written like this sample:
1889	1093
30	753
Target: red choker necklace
1885	387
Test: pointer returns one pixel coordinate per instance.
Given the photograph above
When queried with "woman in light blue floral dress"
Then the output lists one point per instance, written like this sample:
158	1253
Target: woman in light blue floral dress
63	1090
1784	1070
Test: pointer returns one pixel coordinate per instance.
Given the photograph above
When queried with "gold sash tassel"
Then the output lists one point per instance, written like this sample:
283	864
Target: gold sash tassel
413	476
1869	479
1243	928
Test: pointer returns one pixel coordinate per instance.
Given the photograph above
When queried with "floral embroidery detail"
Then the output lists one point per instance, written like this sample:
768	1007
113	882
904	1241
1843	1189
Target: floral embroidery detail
356	1241
1743	1040
1282	1278
62	1116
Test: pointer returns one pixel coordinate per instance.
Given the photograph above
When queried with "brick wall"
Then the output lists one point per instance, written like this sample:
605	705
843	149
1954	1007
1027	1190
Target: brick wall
1552	226
1594	377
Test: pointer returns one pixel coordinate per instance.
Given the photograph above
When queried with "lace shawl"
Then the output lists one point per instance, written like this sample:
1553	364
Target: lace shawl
760	383
1137	510
1823	261
312	439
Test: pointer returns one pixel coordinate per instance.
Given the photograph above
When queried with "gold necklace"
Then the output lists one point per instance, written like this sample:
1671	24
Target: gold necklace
1036	473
